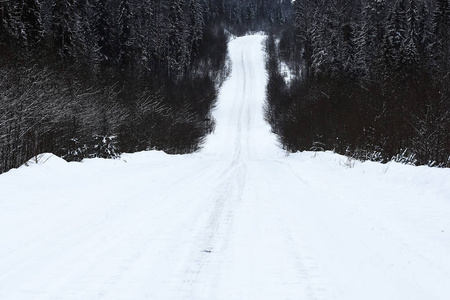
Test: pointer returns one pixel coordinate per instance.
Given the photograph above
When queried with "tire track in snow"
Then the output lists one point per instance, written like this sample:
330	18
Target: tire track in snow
205	263
227	194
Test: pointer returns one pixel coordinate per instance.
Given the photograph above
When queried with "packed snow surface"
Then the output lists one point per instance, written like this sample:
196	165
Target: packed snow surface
241	219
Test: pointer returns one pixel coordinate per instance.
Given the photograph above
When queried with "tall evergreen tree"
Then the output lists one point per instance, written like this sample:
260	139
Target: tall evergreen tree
63	27
196	26
144	33
442	35
177	46
159	39
303	24
32	23
125	40
85	37
102	27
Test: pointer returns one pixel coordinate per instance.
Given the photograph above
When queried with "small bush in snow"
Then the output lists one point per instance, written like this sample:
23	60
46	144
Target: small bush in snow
406	157
104	146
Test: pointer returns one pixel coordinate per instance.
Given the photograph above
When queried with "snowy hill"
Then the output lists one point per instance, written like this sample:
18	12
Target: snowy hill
238	220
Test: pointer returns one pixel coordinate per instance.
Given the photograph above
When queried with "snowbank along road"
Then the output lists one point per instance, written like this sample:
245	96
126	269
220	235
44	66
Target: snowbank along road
238	220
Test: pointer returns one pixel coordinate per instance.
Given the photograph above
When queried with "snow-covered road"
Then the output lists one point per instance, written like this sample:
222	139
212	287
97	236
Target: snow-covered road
238	220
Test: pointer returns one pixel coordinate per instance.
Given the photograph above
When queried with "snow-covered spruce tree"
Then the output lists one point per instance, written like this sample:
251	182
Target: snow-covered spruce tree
196	26
125	38
32	24
442	36
158	39
63	28
144	33
395	39
102	27
303	29
177	40
85	37
425	34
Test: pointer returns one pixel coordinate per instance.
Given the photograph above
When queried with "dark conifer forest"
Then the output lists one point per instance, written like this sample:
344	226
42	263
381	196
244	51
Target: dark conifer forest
368	78
96	78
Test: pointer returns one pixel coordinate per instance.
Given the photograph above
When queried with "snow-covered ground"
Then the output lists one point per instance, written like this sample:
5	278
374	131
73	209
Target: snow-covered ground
238	220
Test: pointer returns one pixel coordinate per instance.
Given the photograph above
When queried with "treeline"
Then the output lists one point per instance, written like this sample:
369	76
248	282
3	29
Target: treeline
371	79
240	16
85	78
